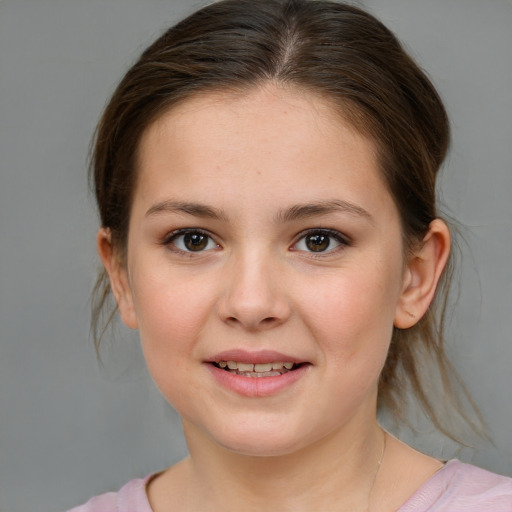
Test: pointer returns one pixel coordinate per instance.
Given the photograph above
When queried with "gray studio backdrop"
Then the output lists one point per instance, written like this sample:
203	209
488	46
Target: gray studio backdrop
70	428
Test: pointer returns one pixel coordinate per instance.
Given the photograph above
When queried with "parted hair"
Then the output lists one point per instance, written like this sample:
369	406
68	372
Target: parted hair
327	48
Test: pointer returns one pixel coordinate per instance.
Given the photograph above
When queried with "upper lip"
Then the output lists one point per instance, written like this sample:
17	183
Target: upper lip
260	356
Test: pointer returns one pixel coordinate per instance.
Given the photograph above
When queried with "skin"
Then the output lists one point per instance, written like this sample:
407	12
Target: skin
248	163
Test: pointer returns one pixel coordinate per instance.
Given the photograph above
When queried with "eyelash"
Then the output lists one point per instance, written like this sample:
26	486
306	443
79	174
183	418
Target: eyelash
170	239
342	240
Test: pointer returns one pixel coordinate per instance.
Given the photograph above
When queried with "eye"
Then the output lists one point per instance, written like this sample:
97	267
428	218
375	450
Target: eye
192	240
320	240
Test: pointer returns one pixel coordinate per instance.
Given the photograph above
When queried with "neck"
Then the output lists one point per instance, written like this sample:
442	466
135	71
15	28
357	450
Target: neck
335	473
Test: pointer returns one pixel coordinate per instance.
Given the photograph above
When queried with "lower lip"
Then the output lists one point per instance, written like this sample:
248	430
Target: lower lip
257	386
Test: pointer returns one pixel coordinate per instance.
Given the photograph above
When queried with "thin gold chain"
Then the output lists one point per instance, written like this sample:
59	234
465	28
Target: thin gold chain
379	464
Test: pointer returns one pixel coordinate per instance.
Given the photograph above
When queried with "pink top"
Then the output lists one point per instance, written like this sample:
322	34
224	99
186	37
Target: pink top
456	487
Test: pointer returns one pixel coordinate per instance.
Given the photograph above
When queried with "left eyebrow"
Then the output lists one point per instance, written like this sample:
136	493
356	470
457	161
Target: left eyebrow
302	211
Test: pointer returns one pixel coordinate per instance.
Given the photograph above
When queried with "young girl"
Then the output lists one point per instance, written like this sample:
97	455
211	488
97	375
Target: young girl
265	175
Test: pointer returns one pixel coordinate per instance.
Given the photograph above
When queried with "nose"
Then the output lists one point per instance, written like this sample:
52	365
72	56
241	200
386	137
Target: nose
254	297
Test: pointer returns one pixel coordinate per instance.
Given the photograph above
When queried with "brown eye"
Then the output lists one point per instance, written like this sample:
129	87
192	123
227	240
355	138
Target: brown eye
195	241
317	242
191	241
321	240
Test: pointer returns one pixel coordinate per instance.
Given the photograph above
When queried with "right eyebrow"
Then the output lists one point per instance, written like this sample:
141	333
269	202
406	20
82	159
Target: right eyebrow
188	208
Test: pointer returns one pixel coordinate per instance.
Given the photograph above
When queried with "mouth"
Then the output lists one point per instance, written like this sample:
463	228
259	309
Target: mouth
262	373
257	370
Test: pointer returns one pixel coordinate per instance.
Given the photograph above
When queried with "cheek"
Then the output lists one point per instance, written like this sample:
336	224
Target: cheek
171	313
353	311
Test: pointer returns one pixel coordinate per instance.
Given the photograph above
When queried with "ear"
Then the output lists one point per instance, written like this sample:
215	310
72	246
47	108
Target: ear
118	275
422	275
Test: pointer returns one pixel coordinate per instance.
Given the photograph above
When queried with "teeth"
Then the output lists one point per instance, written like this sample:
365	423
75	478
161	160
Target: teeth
258	375
242	367
266	367
257	368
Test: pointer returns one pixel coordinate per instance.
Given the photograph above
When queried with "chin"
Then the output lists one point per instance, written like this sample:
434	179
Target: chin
261	448
264	440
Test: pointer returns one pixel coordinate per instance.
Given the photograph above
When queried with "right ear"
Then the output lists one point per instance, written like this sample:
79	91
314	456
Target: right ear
118	275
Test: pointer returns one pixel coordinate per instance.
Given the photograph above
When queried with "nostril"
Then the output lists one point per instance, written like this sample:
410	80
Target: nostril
266	322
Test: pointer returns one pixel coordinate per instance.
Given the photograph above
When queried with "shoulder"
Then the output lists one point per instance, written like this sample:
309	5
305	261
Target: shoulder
460	487
132	496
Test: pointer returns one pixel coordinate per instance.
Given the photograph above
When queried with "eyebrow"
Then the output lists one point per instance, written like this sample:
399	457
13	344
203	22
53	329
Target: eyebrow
195	209
295	212
302	211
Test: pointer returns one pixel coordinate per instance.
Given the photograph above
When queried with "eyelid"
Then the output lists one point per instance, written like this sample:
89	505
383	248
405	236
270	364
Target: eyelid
169	238
340	237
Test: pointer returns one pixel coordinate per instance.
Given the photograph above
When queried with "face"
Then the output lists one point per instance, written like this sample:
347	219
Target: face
264	269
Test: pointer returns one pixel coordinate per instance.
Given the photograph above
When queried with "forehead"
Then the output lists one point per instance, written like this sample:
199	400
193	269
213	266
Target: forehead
263	109
266	137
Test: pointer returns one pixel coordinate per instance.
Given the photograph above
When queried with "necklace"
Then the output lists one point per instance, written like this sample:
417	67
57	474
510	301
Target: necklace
379	464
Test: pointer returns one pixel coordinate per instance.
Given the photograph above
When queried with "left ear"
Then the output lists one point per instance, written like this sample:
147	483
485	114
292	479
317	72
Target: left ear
422	275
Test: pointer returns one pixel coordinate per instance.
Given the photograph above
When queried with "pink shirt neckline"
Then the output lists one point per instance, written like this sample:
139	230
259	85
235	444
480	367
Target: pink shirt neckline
456	487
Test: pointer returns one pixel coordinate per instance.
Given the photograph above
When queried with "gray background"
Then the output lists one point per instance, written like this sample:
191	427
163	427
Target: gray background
70	428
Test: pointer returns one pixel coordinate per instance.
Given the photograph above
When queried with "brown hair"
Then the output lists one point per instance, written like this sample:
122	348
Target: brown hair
332	49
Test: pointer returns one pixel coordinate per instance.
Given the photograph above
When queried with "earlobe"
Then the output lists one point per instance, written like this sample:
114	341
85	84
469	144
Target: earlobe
118	276
422	275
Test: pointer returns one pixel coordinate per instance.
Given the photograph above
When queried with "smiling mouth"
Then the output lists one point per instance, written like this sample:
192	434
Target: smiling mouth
257	370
